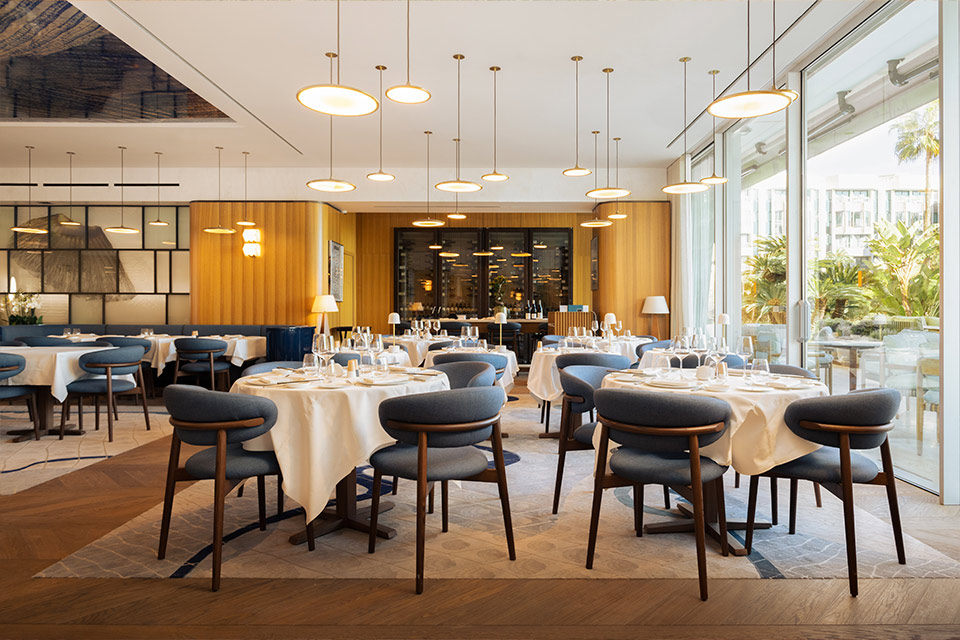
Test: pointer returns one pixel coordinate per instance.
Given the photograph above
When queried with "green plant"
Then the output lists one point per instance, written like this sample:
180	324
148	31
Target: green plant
906	273
765	282
838	288
496	290
23	308
918	136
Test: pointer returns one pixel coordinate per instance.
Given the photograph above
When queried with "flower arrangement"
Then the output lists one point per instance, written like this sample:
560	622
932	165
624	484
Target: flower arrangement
23	308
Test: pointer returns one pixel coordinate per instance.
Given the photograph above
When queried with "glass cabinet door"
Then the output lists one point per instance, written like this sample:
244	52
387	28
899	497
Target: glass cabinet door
416	273
459	292
550	267
508	270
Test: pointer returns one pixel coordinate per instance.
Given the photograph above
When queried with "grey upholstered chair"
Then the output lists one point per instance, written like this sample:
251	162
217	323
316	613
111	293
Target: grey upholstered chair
343	359
117	361
594	359
12	343
463	375
126	341
45	341
11	365
551	339
221	422
660	436
198	357
497	361
659	344
858	420
267	367
436	346
790	370
435	435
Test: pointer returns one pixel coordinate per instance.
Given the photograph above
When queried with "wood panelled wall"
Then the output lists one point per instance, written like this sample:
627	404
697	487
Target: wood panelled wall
278	288
375	269
341	228
634	257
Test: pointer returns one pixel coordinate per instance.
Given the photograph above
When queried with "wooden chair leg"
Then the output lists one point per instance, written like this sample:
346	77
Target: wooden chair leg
849	523
219	487
279	494
96	420
501	468
891	484
168	490
444	490
80	412
396	481
430	498
698	524
34	416
63	415
143	399
562	442
116	408
110	402
793	505
638	509
543	412
599	472
262	502
666	497
736	479
547	420
375	511
751	512
774	502
816	494
240	490
421	506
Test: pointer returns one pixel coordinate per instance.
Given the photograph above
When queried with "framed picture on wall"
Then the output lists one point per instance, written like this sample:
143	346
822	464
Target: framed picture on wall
336	271
594	263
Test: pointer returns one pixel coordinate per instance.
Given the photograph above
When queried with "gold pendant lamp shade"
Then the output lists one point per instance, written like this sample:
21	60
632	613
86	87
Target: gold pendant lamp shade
380	175
685	187
428	221
408	93
494	176
457	185
331	184
576	171
456	215
608	191
245	222
123	228
219	229
157	222
70	222
335	99
713	178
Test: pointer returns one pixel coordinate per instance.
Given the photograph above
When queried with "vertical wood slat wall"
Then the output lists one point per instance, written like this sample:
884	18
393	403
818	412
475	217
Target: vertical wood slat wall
278	288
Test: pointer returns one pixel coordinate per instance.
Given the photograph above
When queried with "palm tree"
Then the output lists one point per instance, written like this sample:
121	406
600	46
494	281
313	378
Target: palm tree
918	136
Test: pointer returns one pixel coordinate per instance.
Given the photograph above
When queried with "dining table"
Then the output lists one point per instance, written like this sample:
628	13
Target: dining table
416	346
543	378
398	357
853	347
509	373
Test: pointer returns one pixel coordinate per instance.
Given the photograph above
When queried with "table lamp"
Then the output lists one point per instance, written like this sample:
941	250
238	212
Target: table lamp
500	319
323	305
393	320
655	306
610	319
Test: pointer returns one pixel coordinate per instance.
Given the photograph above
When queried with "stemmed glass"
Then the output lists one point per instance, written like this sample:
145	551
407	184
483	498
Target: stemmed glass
475	335
594	326
662	364
323	348
464	333
619	327
745	351
376	348
700	346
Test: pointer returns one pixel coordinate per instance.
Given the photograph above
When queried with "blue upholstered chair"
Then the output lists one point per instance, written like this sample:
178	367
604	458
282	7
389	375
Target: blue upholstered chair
550	339
593	359
660	436
11	365
463	375
497	361
659	344
198	357
790	370
646	336
12	343
578	382
435	435
126	341
436	346
343	359
267	367
221	422
45	341
841	424
511	334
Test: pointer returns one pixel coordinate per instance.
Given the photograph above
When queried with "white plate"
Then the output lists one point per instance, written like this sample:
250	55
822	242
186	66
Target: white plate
331	384
753	389
673	384
716	388
786	385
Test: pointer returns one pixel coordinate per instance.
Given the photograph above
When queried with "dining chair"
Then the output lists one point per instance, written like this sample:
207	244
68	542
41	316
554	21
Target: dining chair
12	343
551	339
511	334
659	344
12	364
497	361
437	346
343	359
125	341
118	361
927	392
464	375
453	327
841	424
199	356
221	422
435	434
594	359
267	367
45	341
660	437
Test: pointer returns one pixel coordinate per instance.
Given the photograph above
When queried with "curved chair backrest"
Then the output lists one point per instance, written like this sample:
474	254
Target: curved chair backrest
343	358
45	341
581	381
11	343
661	412
551	338
509	327
127	342
467	416
436	346
735	362
863	408
11	364
463	375
497	361
199	348
194	410
608	360
96	343
659	344
790	370
99	362
646	337
453	325
267	367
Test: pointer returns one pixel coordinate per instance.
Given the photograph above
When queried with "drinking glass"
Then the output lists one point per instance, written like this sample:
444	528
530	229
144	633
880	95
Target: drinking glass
475	333
761	370
464	333
745	351
594	326
571	332
443	333
482	344
436	326
662	364
382	366
562	343
68	331
310	363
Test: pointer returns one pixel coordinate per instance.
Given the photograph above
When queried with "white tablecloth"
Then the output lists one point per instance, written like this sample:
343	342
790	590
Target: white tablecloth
757	439
400	358
509	374
239	349
417	347
322	434
543	379
53	367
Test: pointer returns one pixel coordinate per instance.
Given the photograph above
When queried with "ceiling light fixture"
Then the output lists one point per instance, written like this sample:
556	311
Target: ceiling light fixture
458	185
24	228
428	221
576	170
379	175
617	215
714	178
448	254
331	184
123	228
608	191
70	222
219	229
749	104
408	93
595	221
495	176
790	93
435	246
684	187
337	99
456	215
158	222
245	222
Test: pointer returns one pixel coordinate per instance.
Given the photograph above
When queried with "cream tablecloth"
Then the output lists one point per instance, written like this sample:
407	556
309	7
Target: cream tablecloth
509	374
322	434
400	358
543	379
53	367
417	347
240	349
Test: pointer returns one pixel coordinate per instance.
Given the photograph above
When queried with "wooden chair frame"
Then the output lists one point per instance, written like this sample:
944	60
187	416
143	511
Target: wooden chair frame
843	491
112	412
212	359
31	404
498	475
603	480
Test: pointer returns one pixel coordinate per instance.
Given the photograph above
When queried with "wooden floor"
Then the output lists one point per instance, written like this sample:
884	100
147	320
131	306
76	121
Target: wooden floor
46	523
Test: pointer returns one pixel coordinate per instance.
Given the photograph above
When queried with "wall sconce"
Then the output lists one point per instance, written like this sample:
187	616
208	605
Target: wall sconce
251	243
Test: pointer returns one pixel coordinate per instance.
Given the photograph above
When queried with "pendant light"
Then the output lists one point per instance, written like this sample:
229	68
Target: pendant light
379	175
683	187
576	170
458	185
608	191
123	228
428	221
408	93
790	93
337	99
749	104
219	229
714	178
158	222
494	176
245	222
595	221
70	222
456	215
331	184
617	215
19	228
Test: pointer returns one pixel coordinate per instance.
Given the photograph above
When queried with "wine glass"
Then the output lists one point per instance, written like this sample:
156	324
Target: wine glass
310	364
745	351
464	333
482	344
662	364
594	326
619	327
761	370
475	333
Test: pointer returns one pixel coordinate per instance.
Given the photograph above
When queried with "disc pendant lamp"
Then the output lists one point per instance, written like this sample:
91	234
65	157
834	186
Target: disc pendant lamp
70	222
749	103
596	221
219	229
608	191
123	228
337	99
714	178
685	186
245	222
22	228
790	93
456	215
331	184
576	170
457	185
494	176
428	221
380	175
617	214
408	93
157	222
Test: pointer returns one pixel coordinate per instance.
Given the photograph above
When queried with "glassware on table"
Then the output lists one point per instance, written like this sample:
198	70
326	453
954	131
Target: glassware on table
722	372
662	364
464	333
620	327
571	332
443	333
475	333
310	364
482	344
594	326
761	370
381	365
562	343
745	351
436	326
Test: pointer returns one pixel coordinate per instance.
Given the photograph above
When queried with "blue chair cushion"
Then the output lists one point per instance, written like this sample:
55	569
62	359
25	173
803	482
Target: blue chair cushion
582	380
343	358
436	346
463	375
185	345
12	361
450	463
204	367
194	404
823	465
648	467
865	407
45	341
90	362
497	361
456	406
608	360
240	463
584	433
267	367
99	385
14	391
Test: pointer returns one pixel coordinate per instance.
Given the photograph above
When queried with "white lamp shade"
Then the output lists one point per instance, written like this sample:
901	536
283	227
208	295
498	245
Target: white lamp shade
723	318
610	319
393	318
324	304
655	305
500	318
